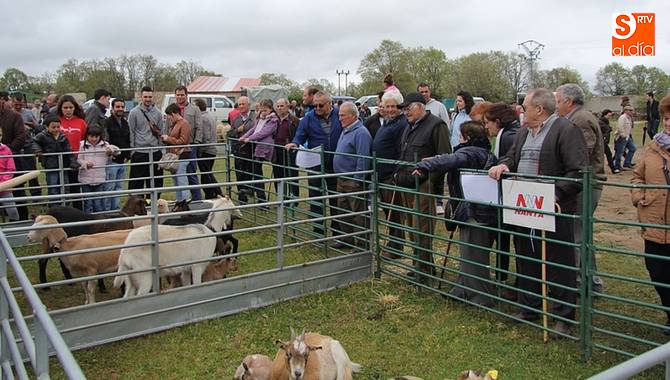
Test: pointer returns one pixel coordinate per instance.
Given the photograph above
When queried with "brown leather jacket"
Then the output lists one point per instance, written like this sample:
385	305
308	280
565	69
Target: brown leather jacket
653	205
180	134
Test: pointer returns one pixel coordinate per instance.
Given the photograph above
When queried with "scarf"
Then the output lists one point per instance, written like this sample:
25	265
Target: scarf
663	140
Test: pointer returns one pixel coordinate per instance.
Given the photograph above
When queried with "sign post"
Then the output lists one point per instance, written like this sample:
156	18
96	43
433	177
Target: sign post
528	198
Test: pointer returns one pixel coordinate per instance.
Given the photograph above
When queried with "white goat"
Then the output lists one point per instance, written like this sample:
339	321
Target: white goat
254	367
312	356
169	253
85	264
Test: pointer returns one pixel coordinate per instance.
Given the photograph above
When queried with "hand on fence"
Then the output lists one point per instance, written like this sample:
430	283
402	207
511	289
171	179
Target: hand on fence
496	171
290	146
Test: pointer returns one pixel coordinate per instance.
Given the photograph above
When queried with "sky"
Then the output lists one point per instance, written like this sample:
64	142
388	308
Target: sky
313	39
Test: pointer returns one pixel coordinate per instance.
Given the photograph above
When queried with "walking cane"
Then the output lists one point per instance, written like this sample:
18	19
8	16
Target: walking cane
644	135
545	317
446	255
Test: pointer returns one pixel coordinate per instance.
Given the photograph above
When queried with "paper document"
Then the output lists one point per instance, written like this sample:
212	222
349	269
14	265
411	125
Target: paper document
480	188
308	158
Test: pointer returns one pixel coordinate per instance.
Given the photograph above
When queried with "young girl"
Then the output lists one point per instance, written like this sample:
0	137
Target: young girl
53	141
7	170
262	132
93	157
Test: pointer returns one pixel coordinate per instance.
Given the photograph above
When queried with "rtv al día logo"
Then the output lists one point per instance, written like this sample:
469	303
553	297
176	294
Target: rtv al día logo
633	34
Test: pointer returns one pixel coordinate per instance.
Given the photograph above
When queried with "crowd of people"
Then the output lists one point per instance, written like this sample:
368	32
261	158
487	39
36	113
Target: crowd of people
418	142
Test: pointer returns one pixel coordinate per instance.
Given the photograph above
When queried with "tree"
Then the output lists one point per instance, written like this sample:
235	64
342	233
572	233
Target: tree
390	57
611	80
480	74
644	79
429	66
15	80
322	84
187	72
294	90
558	76
515	72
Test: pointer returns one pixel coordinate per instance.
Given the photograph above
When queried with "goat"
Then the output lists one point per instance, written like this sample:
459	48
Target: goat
254	367
162	207
135	205
218	270
312	356
476	375
84	264
135	258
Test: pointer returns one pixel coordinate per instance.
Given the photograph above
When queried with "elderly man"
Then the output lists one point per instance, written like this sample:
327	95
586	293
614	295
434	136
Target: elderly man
570	104
284	161
623	139
242	152
192	115
386	146
355	139
551	146
320	127
426	136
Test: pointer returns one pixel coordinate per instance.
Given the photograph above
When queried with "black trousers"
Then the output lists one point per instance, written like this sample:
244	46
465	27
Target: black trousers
243	171
527	247
502	259
283	167
19	191
73	187
138	173
317	189
257	173
659	270
205	164
608	154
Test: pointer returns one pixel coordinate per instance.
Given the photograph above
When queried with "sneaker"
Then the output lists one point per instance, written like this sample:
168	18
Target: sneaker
439	210
616	171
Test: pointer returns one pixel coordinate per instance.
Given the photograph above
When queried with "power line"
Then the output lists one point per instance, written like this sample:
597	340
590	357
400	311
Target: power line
532	49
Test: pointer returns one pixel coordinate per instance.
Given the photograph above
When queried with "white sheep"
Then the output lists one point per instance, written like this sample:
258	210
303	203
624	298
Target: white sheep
85	264
175	252
254	367
312	356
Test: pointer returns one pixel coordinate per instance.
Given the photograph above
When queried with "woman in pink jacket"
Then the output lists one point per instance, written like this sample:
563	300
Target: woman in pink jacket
7	169
263	132
93	157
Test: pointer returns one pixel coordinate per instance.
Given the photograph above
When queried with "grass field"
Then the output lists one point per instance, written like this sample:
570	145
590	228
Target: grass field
418	333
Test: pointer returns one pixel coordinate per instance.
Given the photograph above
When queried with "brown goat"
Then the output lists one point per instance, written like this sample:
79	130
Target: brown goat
254	367
84	264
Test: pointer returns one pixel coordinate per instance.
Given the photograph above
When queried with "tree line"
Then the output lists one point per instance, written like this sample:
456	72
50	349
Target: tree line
494	75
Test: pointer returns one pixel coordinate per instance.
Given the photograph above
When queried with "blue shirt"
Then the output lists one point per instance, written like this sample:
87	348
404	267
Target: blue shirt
354	140
459	118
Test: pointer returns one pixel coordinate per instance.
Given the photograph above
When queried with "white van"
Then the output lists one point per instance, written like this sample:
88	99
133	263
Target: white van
370	100
218	105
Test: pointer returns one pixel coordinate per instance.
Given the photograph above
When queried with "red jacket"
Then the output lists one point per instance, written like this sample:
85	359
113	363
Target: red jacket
75	131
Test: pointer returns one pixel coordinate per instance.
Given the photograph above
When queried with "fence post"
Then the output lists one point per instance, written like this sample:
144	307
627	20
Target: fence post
324	202
229	153
280	222
4	315
586	267
155	259
61	175
41	351
374	222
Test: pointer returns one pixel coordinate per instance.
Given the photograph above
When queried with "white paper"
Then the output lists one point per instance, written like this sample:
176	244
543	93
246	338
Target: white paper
480	188
308	158
532	195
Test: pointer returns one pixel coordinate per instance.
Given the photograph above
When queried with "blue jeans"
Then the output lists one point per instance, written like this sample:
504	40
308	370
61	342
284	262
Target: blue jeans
192	177
53	182
180	179
96	204
116	173
621	144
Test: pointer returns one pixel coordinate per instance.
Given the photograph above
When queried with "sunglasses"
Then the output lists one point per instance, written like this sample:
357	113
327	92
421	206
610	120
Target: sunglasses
317	105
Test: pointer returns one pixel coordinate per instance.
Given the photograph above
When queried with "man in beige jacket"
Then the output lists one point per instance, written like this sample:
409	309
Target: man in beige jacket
623	140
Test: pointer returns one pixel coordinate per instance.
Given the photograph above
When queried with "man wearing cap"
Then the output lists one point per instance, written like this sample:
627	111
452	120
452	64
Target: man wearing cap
427	136
97	112
623	140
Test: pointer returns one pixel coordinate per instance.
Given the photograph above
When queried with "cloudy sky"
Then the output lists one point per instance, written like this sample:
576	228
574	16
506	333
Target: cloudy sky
308	39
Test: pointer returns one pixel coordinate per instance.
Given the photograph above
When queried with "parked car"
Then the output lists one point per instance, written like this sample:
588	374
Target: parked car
370	100
218	105
343	98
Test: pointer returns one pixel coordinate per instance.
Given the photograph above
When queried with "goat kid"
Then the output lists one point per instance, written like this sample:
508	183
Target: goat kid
254	367
84	264
135	205
312	356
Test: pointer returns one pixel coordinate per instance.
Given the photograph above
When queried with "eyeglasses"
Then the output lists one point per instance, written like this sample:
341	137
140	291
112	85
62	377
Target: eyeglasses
317	105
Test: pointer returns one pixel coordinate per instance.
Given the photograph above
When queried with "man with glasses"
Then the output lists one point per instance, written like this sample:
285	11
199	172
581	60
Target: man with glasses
320	127
426	136
550	145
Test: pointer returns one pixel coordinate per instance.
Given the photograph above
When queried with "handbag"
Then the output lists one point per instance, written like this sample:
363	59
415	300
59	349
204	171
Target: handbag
170	161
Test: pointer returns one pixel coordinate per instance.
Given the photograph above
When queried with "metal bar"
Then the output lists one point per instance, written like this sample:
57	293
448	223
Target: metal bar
41	363
19	367
586	267
21	325
280	222
636	365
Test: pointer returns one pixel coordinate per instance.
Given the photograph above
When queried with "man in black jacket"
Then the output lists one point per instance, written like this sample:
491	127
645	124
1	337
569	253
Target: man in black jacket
97	112
653	117
549	146
242	152
426	136
374	122
116	127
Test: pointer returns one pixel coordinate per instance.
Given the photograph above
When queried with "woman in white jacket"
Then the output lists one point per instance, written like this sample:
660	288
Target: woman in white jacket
93	157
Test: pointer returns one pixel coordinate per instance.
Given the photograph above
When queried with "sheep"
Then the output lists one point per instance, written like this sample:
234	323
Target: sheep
169	253
84	264
254	367
312	356
135	205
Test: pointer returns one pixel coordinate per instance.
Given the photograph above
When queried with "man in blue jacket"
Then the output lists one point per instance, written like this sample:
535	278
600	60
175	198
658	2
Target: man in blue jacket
320	127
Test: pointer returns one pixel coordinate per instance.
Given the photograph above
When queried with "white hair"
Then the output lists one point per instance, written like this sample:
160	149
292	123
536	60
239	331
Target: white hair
393	95
349	107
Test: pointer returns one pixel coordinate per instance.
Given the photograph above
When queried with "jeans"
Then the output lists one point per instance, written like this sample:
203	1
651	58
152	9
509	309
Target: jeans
8	205
191	169
53	182
95	203
180	179
621	144
116	173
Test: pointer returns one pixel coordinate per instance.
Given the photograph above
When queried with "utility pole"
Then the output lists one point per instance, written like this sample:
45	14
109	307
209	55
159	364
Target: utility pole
338	72
532	49
346	84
